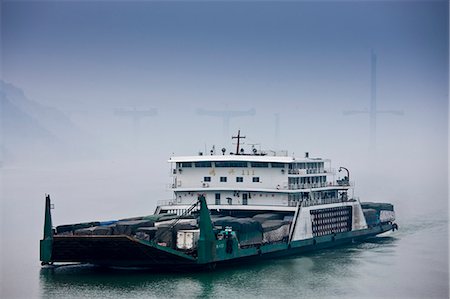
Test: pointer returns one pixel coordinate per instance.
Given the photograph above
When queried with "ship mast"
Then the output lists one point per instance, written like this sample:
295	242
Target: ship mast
238	137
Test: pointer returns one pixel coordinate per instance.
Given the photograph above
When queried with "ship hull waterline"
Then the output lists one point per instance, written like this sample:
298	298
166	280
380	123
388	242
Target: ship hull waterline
125	251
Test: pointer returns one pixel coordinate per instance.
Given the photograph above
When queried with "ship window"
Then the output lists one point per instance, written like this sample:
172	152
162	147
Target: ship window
217	198
239	179
186	164
256	179
207	179
203	164
277	165
259	164
223	179
229	200
245	199
231	164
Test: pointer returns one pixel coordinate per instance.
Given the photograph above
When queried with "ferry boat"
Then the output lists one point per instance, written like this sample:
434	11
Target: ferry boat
228	207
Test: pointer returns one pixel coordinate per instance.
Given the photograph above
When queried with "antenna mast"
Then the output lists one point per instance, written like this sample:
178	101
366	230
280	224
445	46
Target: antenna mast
238	137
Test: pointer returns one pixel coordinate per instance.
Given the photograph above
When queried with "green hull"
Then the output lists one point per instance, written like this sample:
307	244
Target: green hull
128	251
125	251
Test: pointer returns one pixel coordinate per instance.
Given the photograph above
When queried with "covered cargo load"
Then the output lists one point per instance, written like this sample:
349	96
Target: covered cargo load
385	211
160	217
248	230
377	206
387	216
70	228
372	217
146	233
189	221
275	230
267	216
95	231
130	227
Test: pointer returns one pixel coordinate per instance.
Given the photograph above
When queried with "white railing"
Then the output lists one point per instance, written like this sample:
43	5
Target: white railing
311	171
166	202
321	201
319	185
314	202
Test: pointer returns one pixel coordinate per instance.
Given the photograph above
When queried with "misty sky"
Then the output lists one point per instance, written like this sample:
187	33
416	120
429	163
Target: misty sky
306	61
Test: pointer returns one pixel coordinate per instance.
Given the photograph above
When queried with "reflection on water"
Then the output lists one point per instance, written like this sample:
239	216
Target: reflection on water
324	273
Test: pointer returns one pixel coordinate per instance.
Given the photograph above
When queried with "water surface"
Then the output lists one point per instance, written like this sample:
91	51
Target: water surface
409	263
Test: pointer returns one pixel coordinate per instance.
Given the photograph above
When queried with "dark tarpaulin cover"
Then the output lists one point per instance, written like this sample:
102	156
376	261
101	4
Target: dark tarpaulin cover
72	227
95	230
267	216
377	206
130	227
273	224
248	231
372	216
161	217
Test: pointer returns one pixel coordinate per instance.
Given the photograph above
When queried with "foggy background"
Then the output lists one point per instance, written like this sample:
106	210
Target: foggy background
73	73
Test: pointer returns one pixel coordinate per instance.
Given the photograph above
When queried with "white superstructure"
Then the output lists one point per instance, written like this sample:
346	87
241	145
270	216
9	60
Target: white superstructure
266	181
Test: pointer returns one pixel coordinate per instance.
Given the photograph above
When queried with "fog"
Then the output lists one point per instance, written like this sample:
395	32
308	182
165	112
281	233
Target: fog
68	68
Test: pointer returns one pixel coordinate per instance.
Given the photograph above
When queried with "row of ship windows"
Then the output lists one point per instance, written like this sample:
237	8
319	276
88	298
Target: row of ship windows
245	198
308	180
203	164
239	179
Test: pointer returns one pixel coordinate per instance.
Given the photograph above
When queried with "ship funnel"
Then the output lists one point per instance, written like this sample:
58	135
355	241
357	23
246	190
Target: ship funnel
306	154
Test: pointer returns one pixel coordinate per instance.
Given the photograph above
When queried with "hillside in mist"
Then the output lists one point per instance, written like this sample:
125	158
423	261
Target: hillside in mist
31	131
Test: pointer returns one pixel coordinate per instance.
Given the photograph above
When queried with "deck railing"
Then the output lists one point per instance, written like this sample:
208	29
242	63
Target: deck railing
320	185
311	171
166	202
314	202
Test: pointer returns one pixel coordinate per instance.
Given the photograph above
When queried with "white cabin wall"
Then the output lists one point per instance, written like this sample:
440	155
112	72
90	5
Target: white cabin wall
270	178
256	198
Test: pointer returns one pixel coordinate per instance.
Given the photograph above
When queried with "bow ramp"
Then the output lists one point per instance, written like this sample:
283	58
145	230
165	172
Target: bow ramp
116	251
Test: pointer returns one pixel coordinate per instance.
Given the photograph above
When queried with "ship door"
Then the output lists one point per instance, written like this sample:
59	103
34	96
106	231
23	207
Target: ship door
245	199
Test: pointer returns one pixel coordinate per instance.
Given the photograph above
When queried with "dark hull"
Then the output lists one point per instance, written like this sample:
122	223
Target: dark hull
311	245
125	251
114	251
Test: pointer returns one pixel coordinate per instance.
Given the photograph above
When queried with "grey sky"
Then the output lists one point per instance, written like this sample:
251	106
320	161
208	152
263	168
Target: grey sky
307	61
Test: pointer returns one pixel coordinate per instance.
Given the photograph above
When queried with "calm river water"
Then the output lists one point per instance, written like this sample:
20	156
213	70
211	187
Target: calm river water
409	263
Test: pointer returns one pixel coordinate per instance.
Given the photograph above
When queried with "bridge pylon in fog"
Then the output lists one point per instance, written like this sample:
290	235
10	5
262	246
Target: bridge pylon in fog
136	115
373	111
226	116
